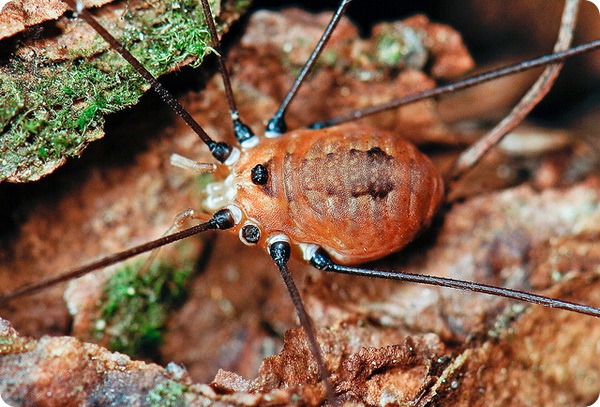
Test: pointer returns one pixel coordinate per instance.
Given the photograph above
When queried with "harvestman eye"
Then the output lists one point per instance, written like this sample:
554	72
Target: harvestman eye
260	175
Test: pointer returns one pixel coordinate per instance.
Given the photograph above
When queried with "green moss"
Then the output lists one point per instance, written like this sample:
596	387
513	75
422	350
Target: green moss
12	102
399	46
137	305
6	341
167	394
390	50
51	108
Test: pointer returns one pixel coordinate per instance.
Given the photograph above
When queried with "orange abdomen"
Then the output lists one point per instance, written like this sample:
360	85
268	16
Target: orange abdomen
358	192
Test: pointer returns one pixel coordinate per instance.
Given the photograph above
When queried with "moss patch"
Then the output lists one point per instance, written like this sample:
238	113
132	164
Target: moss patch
54	100
137	305
400	46
167	394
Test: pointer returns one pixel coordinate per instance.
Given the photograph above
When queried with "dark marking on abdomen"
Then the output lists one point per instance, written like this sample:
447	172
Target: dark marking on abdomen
374	164
350	174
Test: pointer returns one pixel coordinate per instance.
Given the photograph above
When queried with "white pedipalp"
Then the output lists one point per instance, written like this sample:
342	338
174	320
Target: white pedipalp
219	194
180	161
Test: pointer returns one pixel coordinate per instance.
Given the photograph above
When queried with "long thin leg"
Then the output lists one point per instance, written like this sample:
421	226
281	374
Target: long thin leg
223	219
243	133
280	253
276	125
322	261
460	85
536	93
221	151
177	224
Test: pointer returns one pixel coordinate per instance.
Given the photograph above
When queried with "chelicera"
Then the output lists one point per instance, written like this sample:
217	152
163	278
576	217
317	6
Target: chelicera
283	194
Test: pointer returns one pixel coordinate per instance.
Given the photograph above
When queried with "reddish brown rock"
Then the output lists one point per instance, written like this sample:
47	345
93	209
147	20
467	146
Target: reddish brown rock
384	342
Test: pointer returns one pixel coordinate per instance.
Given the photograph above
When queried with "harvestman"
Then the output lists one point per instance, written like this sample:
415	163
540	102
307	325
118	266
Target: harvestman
263	170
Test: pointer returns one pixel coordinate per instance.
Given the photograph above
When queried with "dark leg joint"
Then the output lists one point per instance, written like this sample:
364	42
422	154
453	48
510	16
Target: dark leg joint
322	261
280	252
220	151
223	219
276	125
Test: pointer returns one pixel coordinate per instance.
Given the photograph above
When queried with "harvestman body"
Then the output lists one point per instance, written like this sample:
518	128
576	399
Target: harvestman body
315	190
337	188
